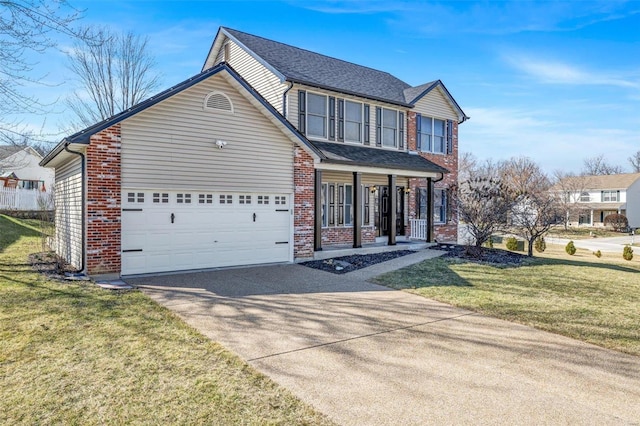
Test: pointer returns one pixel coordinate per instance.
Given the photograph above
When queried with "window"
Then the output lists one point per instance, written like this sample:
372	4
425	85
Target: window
263	199
280	200
316	115
389	127
205	198
584	218
366	193
432	135
325	197
133	197
160	197
348	205
353	122
439	206
610	196
183	198
244	199
585	197
226	199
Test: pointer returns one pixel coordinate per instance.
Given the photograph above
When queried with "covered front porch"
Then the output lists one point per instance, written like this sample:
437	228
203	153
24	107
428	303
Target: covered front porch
372	204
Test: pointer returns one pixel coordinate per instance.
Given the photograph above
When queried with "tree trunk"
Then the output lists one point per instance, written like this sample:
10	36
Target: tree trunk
530	248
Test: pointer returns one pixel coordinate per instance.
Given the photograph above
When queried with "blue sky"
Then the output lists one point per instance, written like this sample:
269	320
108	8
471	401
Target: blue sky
554	81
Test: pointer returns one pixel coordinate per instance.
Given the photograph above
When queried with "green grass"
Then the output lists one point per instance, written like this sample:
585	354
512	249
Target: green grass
71	353
580	296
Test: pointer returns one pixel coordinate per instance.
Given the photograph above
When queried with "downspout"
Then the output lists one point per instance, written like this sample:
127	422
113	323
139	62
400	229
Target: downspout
83	198
284	100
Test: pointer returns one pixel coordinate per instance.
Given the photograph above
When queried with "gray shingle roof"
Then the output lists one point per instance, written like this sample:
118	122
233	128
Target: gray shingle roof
366	156
306	67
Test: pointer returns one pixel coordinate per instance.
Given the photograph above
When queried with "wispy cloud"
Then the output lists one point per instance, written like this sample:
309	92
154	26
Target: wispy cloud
552	141
484	17
555	72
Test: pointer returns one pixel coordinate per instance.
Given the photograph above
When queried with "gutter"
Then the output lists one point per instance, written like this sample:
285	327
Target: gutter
83	201
284	99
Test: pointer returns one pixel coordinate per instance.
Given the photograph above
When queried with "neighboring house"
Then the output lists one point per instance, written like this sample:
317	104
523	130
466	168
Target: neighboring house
592	198
20	168
268	155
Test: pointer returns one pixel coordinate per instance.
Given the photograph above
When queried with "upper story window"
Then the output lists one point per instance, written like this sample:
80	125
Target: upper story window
316	115
389	127
585	197
432	135
610	196
353	122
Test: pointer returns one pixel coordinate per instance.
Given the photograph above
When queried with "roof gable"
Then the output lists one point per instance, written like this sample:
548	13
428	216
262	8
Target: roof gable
600	182
302	66
84	136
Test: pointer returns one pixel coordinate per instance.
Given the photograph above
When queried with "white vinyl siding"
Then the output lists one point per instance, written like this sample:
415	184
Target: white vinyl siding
68	214
172	145
256	74
434	104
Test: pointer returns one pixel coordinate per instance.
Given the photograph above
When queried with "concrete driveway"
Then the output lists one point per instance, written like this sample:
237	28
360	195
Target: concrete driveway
364	354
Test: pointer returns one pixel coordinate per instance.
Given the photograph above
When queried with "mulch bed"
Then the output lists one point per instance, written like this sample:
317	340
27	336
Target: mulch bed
482	254
344	264
50	264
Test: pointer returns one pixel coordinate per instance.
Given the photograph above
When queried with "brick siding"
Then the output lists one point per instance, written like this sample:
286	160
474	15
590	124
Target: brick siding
445	232
303	213
103	202
344	235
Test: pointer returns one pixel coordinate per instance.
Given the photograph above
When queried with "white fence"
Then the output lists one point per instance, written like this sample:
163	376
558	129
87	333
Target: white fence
418	229
25	199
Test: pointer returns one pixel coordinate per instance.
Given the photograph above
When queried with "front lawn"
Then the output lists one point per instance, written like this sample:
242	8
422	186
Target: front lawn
582	233
580	296
72	353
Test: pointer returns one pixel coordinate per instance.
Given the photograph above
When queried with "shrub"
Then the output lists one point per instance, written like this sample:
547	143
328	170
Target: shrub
512	243
627	253
540	245
570	248
597	254
617	221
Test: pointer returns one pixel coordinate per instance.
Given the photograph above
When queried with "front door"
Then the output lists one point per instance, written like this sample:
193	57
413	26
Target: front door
383	213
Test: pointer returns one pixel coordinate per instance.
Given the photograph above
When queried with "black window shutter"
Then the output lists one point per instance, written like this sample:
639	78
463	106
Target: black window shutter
365	194
332	205
340	120
418	131
401	130
341	205
449	137
332	118
378	126
302	108
367	119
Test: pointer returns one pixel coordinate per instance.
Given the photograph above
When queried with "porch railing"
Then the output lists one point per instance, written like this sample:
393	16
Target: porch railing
418	229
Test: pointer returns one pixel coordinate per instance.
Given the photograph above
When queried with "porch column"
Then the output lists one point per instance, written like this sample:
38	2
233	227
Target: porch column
591	223
393	200
357	207
317	215
429	215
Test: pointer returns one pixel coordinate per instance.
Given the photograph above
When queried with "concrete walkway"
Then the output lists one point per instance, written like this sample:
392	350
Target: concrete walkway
365	354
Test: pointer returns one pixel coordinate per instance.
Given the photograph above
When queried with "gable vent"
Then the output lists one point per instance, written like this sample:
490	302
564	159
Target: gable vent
218	101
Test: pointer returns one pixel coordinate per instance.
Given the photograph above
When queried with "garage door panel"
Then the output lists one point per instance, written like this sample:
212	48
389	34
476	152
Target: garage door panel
204	235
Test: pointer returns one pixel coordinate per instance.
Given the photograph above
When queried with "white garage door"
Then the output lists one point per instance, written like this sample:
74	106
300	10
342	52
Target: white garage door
181	230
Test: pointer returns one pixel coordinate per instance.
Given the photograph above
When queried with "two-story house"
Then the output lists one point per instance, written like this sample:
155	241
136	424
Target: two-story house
592	198
270	154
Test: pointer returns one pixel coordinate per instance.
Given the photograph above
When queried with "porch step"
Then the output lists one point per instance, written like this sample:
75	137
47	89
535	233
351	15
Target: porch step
338	251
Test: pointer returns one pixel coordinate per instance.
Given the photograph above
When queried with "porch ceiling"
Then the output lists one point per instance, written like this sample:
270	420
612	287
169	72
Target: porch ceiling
604	206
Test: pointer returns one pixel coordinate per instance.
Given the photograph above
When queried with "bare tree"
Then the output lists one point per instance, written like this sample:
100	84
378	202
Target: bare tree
467	164
634	160
27	27
568	187
536	208
115	71
599	166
